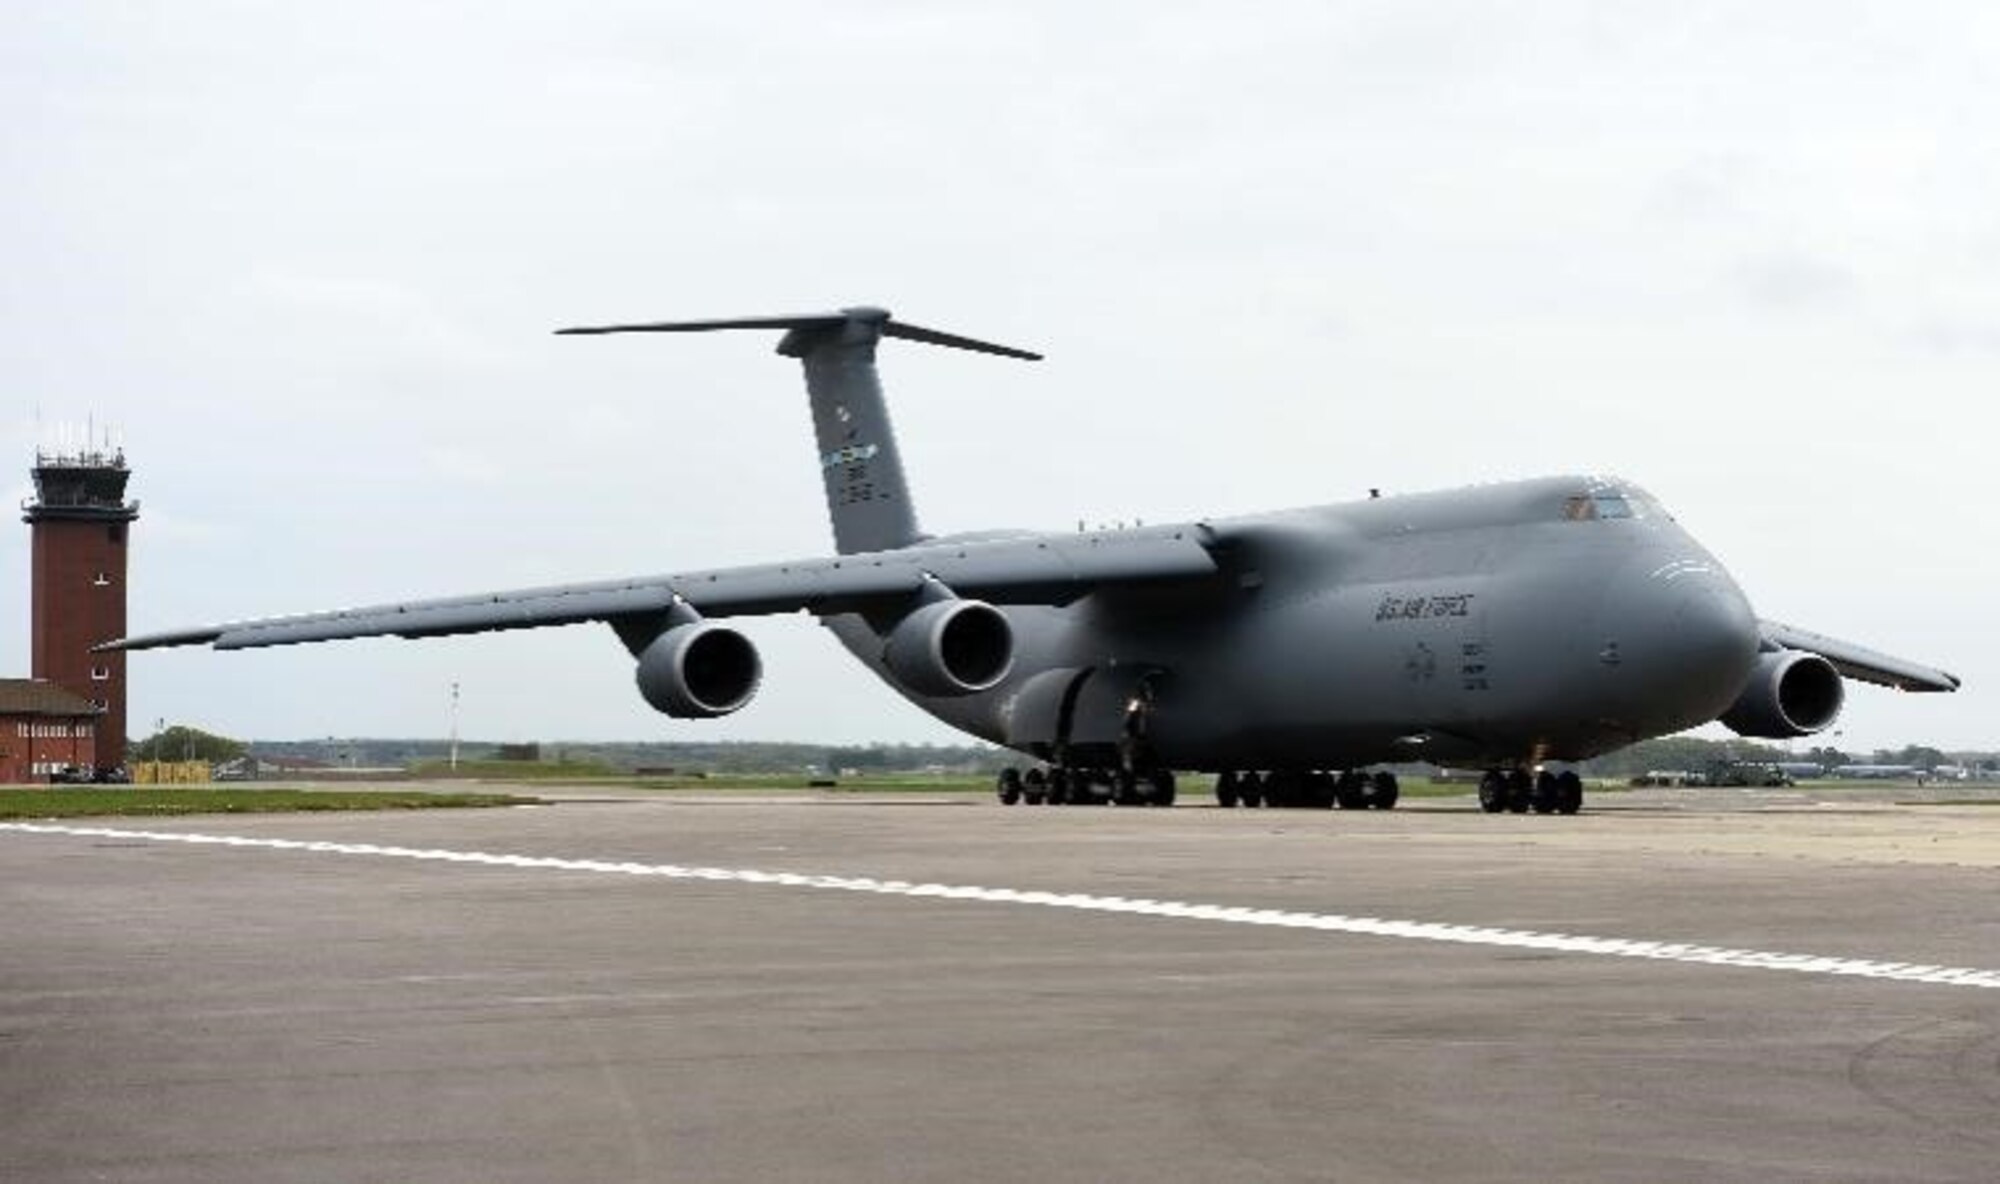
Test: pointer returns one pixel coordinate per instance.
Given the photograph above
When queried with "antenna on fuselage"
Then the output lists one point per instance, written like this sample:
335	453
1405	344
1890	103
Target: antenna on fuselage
867	496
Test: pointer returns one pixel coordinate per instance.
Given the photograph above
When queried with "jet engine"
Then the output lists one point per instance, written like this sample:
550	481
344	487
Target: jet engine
951	647
1790	693
699	670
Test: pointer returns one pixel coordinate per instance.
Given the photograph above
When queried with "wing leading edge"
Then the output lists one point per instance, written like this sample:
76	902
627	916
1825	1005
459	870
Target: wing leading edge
1038	569
1858	662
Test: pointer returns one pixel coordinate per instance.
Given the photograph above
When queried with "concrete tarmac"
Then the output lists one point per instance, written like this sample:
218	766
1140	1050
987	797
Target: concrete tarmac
201	1011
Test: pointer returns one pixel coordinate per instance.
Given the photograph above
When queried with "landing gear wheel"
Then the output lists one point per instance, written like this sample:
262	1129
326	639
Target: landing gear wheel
1250	791
1322	790
1520	789
1010	785
1125	788
1035	787
1161	781
1569	793
1058	787
1351	791
1225	789
1492	792
1383	791
1543	797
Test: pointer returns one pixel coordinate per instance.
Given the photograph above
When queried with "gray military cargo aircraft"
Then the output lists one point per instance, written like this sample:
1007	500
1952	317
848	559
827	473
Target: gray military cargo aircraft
1500	627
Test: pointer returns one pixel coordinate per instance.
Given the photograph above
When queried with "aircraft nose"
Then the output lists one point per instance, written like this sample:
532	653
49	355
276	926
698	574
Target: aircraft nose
1680	643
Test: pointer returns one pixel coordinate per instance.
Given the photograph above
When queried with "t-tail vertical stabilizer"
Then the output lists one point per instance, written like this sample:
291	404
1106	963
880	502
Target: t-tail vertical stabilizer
867	496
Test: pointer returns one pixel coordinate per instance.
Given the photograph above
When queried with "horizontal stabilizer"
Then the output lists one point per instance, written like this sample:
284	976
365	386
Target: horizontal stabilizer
861	318
806	321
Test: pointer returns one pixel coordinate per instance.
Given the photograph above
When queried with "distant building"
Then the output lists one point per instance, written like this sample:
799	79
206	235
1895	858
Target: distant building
251	767
44	730
80	520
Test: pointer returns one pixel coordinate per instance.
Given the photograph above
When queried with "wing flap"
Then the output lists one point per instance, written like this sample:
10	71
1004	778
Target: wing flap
1859	662
1040	569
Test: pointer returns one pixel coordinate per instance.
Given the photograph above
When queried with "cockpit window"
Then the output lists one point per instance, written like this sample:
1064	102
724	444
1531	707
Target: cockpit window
1603	504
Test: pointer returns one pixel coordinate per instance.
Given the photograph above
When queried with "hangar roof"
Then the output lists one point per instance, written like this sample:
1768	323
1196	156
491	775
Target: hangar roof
34	696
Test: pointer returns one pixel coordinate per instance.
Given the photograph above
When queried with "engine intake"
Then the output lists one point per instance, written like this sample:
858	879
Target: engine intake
951	647
699	670
1790	693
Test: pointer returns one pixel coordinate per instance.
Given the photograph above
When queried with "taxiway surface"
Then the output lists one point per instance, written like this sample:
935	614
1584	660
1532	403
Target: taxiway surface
835	990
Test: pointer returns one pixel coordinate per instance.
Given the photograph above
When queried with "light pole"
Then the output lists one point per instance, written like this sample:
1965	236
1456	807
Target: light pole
454	727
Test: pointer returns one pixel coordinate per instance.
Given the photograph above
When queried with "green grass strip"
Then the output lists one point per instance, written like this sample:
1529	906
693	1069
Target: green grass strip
145	800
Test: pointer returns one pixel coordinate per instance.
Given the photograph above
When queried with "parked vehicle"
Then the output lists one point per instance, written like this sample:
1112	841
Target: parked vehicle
1748	773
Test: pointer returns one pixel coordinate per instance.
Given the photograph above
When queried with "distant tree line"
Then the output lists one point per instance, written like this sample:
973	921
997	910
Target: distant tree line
736	756
748	756
182	743
1692	754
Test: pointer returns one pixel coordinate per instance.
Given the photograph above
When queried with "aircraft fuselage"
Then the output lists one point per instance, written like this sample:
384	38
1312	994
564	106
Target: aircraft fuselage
1563	616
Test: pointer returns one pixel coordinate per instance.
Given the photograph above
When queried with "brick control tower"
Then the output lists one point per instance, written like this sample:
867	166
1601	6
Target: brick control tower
81	519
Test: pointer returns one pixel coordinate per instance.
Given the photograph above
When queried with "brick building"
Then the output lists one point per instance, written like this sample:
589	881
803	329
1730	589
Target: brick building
79	519
43	730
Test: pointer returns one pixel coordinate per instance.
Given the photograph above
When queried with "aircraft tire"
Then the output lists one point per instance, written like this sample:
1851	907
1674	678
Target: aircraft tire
1225	789
1384	791
1010	785
1569	793
1250	791
1351	791
1058	787
1125	788
1520	791
1034	787
1543	798
1492	792
1162	783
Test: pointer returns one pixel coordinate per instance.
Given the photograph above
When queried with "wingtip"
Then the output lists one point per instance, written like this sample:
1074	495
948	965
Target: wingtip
155	641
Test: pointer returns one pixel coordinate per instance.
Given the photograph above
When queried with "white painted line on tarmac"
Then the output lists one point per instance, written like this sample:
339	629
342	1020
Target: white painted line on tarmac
1477	935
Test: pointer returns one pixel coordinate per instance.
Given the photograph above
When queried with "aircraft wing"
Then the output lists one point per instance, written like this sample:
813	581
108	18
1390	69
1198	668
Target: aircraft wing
1858	662
1026	569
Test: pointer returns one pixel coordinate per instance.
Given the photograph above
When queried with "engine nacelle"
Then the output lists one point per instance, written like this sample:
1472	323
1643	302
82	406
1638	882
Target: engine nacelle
951	647
699	670
1790	693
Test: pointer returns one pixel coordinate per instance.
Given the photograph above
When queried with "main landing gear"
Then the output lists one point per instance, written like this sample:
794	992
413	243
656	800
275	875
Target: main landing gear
1516	791
1063	785
1295	789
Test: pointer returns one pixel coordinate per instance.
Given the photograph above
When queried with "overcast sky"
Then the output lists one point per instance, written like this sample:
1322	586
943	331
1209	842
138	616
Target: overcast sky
305	260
